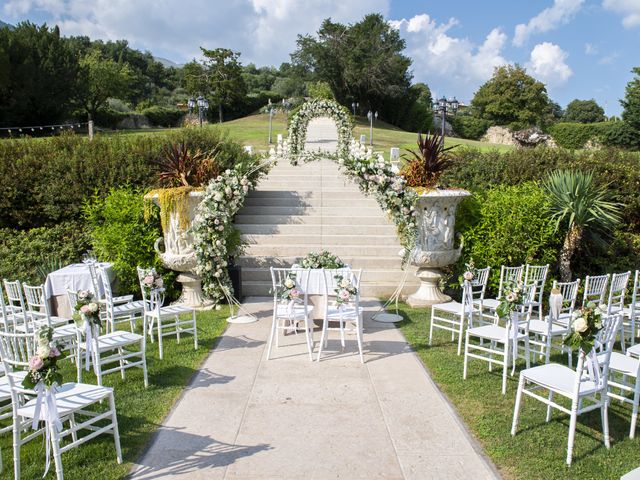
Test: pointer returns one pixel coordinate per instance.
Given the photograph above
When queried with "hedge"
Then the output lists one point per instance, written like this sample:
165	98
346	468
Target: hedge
610	134
466	126
163	116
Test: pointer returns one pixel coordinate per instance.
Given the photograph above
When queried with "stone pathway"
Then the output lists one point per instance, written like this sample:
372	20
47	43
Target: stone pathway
244	417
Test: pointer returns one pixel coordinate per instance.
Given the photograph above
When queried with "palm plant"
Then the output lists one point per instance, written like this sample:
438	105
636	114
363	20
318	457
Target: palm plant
428	162
583	206
180	167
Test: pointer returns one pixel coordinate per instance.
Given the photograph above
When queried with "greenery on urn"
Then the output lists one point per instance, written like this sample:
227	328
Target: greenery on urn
426	164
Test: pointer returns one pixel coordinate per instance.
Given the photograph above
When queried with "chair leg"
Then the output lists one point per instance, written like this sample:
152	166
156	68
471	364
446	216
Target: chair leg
342	324
516	409
572	432
17	441
634	414
122	369
78	365
460	334
431	328
323	338
466	356
547	352
527	352
604	413
359	337
307	329
178	328
549	409
160	347
55	446
505	367
143	354
271	335
195	330
72	422
114	423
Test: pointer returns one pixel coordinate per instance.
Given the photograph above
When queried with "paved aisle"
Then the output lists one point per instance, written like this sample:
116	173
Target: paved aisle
247	418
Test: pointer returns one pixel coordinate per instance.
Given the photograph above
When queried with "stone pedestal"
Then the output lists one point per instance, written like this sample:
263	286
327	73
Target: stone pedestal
192	292
429	291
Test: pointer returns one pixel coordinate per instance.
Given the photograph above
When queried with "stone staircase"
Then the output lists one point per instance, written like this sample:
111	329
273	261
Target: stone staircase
313	207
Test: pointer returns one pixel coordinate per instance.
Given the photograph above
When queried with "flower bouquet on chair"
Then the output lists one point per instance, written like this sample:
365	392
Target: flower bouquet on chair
469	274
586	324
152	282
43	365
512	301
290	295
345	291
88	320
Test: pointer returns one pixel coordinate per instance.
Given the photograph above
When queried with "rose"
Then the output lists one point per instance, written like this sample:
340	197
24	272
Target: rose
35	363
159	282
43	351
468	276
54	352
148	280
289	283
85	309
345	283
295	293
84	294
344	295
580	325
511	297
93	307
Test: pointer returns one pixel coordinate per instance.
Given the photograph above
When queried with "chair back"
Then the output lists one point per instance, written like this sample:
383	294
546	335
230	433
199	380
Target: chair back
15	351
331	286
595	288
537	274
153	299
96	280
6	321
279	276
509	275
603	348
635	295
37	305
617	292
569	292
15	301
103	277
479	282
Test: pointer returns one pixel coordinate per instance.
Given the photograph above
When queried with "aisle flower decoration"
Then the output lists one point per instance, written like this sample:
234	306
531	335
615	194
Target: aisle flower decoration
585	326
43	366
152	281
469	274
87	308
512	300
344	290
324	259
289	291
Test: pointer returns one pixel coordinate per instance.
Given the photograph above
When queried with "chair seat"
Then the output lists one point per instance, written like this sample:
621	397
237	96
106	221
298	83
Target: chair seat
558	378
118	300
111	341
450	307
130	308
563	319
348	313
296	312
169	310
635	350
5	391
542	327
491	332
490	303
70	397
624	364
64	332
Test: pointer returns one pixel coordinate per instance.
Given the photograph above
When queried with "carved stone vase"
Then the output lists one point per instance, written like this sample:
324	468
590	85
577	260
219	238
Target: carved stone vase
435	243
178	254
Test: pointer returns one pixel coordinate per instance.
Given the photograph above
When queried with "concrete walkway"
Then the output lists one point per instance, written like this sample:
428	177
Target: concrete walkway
244	417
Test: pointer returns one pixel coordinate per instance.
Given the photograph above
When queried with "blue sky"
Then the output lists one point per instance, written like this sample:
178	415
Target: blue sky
579	48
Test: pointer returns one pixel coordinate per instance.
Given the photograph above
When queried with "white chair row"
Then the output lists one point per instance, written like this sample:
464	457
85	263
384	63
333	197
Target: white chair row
288	314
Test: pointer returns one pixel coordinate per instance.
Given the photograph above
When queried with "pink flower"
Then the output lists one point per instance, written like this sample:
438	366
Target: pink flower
468	276
35	363
148	280
54	352
295	293
344	295
85	309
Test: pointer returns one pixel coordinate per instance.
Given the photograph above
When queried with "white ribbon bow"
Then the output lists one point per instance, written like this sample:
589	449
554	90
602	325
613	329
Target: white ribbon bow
46	407
555	305
593	366
514	316
467	292
90	331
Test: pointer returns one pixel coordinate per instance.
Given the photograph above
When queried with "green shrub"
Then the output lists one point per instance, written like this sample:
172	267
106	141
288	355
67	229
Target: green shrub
508	225
163	116
109	118
621	135
574	135
469	127
24	253
120	235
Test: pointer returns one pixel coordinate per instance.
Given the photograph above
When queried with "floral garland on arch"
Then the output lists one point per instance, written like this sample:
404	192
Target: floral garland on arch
315	108
213	224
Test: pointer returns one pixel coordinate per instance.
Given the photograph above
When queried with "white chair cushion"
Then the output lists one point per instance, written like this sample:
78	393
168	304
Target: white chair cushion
114	340
635	350
542	327
5	391
70	397
491	332
624	364
558	378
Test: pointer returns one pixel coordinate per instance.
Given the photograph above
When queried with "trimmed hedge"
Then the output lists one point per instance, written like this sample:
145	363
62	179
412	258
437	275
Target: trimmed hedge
163	116
611	134
466	126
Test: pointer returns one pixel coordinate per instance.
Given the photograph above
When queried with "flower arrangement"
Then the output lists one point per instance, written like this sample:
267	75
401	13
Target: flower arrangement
213	227
344	290
152	281
469	273
324	259
87	309
289	290
43	366
512	300
585	326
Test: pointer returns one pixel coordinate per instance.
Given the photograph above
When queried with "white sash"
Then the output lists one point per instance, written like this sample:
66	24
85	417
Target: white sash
593	366
555	305
514	317
46	403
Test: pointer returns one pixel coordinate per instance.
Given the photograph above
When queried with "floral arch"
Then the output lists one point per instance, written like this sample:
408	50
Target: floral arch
315	108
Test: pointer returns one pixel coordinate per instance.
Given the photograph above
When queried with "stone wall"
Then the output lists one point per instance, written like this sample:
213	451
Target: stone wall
499	135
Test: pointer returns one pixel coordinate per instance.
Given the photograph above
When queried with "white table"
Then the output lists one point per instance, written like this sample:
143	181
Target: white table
315	288
75	277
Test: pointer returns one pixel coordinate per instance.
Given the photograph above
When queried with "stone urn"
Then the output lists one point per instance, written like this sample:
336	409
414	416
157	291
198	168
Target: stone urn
436	218
178	254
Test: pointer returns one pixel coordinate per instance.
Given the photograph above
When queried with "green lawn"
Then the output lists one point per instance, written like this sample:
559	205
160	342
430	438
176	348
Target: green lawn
140	410
538	450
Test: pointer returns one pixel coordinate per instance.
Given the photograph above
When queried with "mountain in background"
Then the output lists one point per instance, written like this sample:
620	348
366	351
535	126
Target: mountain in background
168	63
3	24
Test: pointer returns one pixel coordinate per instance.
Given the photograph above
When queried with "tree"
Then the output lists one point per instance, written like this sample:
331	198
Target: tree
631	102
224	77
37	76
101	79
582	207
511	96
361	62
584	111
320	90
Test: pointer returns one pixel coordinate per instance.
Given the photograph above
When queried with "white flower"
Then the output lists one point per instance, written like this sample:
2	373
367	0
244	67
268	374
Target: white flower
289	283
43	351
217	197
345	283
580	325
511	297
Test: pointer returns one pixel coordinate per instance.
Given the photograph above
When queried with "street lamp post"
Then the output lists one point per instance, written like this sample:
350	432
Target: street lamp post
371	116
443	106
355	105
203	106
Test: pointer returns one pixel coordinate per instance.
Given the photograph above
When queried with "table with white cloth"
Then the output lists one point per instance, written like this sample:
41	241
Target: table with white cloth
315	288
76	276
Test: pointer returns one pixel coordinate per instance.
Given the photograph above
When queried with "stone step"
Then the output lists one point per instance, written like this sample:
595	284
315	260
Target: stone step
368	275
328	240
316	201
346	211
370	290
307	194
244	218
381	262
308	185
302	249
310	229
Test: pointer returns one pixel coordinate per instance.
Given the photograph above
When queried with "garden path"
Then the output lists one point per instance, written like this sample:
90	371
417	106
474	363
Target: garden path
243	417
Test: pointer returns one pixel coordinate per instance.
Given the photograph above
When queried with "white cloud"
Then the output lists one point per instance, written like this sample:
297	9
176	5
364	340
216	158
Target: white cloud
590	49
451	64
264	31
629	9
561	12
547	63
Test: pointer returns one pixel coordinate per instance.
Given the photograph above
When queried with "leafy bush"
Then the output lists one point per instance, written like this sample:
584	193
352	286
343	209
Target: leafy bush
469	127
573	135
622	135
109	118
163	116
24	253
120	235
508	225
